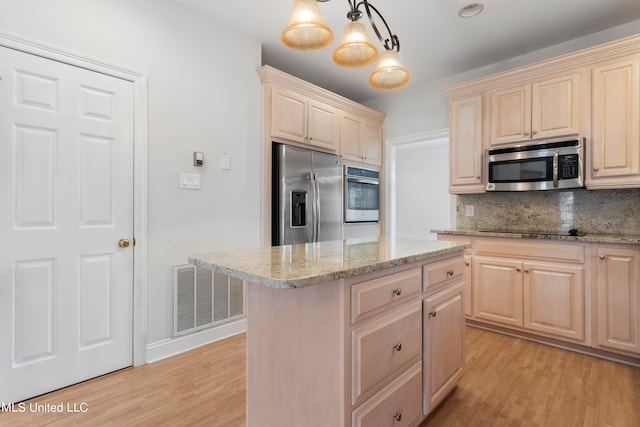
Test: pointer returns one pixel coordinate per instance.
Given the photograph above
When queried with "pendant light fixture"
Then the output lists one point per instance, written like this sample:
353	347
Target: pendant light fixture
306	29
355	49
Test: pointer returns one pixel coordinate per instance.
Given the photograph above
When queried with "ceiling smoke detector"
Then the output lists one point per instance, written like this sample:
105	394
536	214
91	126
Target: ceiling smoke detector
470	10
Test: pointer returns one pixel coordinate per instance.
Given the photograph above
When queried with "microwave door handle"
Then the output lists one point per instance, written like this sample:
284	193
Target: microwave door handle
555	169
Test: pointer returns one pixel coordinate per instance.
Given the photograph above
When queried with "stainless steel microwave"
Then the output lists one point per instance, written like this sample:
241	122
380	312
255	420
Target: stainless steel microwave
545	165
361	194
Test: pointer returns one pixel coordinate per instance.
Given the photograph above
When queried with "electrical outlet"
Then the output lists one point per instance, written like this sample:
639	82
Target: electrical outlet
469	210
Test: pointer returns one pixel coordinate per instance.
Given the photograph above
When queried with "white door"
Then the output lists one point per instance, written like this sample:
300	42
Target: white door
66	198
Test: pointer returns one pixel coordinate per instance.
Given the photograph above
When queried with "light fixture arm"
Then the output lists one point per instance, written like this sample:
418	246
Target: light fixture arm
355	14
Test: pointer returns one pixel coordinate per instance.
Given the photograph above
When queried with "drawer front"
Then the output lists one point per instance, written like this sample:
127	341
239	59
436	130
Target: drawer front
384	346
373	296
396	405
533	250
441	272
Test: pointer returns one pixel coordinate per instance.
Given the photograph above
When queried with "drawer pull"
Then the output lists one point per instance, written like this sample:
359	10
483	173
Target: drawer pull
433	313
450	273
397	416
397	347
602	257
397	291
466	263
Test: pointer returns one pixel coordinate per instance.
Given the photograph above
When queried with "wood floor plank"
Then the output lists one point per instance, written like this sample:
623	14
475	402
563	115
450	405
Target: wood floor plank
508	382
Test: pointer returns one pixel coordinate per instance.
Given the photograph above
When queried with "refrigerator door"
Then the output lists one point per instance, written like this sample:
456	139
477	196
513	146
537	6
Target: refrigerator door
327	169
295	198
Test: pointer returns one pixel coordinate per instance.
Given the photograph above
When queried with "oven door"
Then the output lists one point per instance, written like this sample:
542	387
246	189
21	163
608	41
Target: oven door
361	199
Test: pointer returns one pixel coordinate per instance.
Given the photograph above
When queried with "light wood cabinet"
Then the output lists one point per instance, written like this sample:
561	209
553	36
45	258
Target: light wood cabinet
443	343
617	293
542	297
468	277
615	149
554	299
304	120
360	139
466	147
497	292
542	109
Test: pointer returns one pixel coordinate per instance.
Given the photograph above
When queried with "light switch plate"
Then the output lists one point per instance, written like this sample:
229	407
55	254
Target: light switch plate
190	181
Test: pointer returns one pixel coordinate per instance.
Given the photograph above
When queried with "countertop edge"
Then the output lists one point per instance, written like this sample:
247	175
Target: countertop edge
300	282
588	238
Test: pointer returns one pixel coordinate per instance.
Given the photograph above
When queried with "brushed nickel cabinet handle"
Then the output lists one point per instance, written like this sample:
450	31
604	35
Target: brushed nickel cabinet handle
596	169
602	257
397	347
397	291
397	416
433	313
450	273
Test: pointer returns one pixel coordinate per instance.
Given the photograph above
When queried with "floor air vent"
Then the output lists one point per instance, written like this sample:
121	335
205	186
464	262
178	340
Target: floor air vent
203	298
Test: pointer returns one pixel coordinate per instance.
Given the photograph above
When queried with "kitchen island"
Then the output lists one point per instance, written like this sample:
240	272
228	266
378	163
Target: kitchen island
349	332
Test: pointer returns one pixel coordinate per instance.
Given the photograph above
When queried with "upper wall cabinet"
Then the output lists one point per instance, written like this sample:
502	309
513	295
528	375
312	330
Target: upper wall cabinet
593	93
297	112
615	148
466	145
361	140
543	109
305	120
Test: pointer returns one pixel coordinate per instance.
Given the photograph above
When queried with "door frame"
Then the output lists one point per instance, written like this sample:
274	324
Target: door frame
140	160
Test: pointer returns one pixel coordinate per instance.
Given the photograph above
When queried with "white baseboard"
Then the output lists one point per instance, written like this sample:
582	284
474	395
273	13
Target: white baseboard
173	346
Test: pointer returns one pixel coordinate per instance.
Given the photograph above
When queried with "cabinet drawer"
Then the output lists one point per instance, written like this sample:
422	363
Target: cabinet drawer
398	404
440	272
544	251
382	347
372	296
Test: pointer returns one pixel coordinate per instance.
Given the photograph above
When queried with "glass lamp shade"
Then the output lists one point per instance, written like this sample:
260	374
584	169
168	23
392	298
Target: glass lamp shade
306	29
355	49
389	73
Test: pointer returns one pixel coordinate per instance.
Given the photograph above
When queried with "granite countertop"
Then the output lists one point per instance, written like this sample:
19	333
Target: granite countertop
588	237
295	266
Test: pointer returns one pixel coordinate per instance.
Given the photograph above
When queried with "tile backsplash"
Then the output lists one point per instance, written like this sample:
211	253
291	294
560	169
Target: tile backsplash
601	211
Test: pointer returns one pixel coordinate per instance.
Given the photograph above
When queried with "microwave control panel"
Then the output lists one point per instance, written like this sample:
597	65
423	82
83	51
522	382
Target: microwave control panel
568	166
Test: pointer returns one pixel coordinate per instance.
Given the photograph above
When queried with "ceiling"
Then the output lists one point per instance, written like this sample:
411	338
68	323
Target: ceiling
435	42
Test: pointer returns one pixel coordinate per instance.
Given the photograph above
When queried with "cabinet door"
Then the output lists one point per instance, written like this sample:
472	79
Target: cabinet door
497	290
468	297
351	134
443	344
288	115
618	298
554	299
466	149
510	115
323	125
556	106
372	143
616	124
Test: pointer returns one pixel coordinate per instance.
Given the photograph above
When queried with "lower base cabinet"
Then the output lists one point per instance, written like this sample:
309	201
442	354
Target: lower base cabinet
443	344
617	292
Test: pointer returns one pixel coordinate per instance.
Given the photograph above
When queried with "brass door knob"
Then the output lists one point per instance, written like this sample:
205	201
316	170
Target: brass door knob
123	243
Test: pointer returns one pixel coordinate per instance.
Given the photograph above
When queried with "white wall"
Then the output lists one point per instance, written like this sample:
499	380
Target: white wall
423	203
204	95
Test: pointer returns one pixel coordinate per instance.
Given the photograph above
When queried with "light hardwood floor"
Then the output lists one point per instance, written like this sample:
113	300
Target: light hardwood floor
508	382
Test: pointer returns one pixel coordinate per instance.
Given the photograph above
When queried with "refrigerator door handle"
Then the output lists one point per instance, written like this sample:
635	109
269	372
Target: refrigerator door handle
314	207
317	200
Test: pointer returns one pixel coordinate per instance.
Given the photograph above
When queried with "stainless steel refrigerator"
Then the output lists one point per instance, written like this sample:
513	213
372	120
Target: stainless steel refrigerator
307	196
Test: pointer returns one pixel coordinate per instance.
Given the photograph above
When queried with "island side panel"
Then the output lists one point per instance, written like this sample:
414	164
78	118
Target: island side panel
296	356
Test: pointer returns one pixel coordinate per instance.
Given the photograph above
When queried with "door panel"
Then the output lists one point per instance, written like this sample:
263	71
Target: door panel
66	198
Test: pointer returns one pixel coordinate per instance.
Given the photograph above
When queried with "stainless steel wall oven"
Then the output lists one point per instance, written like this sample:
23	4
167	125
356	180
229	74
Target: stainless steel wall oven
361	194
